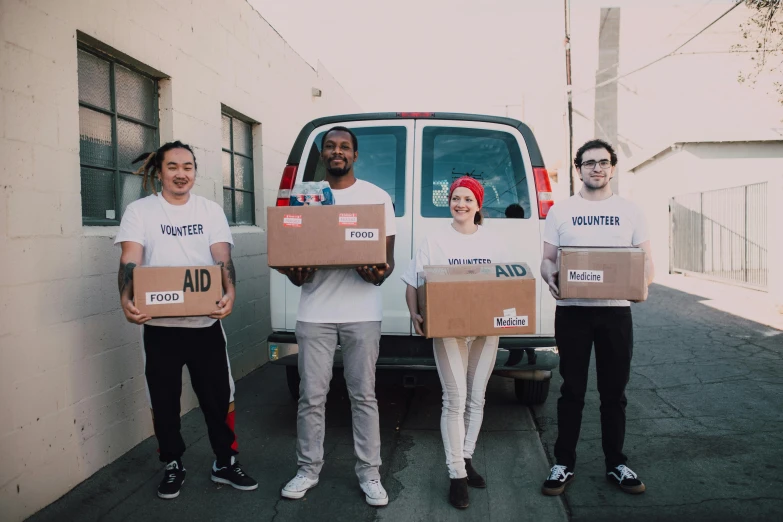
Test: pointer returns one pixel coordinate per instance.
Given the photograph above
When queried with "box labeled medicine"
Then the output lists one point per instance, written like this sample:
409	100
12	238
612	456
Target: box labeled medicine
478	300
602	273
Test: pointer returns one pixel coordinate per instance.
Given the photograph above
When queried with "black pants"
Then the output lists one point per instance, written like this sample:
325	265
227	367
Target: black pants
577	328
203	350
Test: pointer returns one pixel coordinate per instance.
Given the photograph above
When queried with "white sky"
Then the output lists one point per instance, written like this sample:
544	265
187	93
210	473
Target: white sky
506	57
442	55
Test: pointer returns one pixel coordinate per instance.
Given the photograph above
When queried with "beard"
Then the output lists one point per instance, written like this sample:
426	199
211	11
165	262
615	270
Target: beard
595	185
337	172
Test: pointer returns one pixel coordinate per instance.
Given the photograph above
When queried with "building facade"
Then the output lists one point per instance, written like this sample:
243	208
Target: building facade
85	87
712	208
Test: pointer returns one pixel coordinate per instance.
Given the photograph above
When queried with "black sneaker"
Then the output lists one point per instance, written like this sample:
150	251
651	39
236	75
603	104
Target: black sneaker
559	478
173	478
625	479
233	476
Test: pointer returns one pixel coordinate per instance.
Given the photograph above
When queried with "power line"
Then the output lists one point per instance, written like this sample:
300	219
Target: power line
672	53
601	71
619	135
694	15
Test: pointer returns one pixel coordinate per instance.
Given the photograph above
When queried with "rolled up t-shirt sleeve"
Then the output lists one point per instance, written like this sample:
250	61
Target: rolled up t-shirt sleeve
391	224
417	264
640	232
551	226
219	231
131	227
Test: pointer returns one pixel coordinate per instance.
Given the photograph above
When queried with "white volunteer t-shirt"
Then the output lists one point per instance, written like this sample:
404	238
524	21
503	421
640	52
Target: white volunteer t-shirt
175	235
612	222
341	295
449	247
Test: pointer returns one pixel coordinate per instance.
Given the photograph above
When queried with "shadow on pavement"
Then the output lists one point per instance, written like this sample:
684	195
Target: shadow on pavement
704	429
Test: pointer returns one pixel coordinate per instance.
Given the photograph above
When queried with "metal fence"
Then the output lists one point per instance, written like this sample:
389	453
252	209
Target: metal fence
722	234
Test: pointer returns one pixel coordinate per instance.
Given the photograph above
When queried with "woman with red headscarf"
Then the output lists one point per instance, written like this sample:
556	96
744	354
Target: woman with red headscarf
464	363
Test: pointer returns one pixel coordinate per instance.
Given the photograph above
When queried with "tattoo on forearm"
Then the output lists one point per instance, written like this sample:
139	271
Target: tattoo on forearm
125	276
229	267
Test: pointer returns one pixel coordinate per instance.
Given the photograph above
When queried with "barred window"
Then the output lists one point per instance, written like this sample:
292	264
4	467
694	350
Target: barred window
118	121
238	196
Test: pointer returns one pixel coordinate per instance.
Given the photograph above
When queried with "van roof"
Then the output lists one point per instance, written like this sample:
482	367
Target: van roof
532	145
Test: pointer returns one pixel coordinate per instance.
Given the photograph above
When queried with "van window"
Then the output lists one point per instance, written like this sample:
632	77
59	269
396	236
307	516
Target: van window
491	157
381	161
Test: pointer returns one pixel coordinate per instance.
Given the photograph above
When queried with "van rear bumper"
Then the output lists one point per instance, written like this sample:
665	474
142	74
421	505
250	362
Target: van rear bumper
518	357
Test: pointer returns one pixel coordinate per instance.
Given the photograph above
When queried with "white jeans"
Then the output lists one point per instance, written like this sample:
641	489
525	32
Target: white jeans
464	366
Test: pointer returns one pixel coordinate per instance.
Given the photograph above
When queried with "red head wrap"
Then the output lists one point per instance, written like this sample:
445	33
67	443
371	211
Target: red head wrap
470	184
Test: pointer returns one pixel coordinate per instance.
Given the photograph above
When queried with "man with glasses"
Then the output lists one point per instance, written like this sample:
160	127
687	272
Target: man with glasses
595	217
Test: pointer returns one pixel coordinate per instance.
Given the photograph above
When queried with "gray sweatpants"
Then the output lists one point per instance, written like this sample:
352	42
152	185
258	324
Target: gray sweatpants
317	344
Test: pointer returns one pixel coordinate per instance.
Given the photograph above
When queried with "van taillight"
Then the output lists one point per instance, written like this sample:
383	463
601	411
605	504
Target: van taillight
543	191
286	184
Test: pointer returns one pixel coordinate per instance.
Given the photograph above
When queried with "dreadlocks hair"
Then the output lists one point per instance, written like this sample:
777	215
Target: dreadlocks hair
153	163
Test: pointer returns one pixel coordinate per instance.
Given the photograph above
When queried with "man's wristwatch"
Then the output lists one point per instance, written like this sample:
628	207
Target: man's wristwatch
379	283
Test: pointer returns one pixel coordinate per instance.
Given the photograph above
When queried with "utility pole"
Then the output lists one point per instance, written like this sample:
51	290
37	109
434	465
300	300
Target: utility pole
569	93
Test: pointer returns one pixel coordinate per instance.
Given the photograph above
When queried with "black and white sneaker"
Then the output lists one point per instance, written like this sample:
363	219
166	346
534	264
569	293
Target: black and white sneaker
559	478
173	478
625	479
233	476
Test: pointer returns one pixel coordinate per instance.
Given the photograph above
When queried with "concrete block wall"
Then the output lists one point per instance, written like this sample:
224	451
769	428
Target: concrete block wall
72	391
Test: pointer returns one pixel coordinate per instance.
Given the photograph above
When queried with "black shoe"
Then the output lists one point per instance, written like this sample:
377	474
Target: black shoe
559	478
625	479
474	479
233	476
458	493
173	478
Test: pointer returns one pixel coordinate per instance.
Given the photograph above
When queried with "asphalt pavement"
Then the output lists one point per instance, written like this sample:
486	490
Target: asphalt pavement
509	455
704	432
704	418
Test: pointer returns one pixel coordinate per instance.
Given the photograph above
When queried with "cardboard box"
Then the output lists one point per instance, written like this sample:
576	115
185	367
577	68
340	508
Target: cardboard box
329	236
602	273
177	291
478	300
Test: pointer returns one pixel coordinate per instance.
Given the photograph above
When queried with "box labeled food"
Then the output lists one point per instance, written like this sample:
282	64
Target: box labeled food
478	300
602	273
329	236
177	291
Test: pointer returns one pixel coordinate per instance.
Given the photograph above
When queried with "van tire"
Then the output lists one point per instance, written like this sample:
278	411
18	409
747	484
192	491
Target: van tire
531	393
292	378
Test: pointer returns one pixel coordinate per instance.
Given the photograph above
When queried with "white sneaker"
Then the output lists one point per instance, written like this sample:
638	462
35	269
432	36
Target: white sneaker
298	486
374	493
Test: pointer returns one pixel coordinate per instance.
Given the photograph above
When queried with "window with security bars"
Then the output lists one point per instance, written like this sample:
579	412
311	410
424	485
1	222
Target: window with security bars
118	121
238	197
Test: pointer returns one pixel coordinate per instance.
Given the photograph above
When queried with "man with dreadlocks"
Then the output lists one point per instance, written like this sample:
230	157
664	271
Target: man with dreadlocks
147	239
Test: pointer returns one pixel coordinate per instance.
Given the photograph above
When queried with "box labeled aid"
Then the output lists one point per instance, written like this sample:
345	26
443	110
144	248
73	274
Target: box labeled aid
478	300
177	291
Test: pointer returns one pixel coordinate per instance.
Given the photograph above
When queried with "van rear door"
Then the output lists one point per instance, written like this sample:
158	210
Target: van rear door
385	160
497	156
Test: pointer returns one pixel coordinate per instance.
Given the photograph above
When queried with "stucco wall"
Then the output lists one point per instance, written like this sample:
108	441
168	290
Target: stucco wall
697	167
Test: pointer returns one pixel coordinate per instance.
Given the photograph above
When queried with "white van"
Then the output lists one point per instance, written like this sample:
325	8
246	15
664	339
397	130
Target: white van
415	157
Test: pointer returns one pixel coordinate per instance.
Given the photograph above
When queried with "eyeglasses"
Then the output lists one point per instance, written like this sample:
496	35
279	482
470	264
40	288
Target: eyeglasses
590	164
